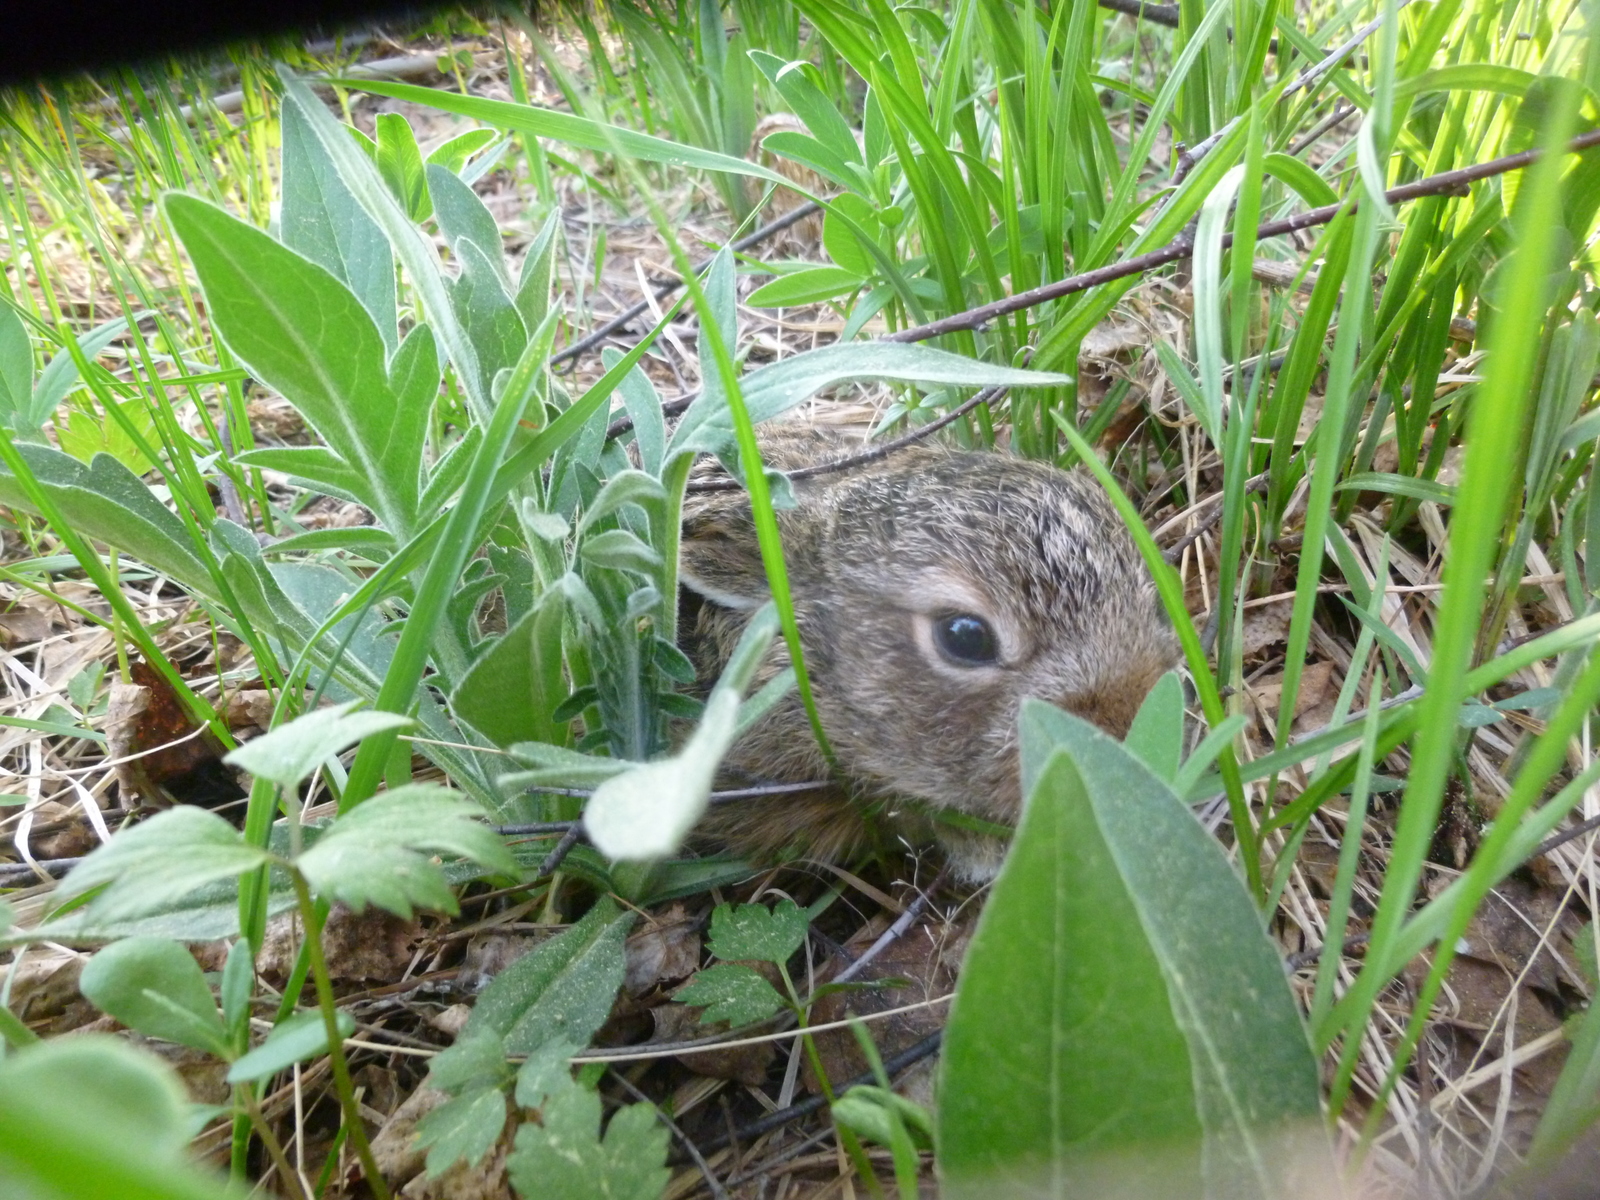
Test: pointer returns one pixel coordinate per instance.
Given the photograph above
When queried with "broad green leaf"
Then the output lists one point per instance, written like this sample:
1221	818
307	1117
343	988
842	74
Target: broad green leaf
1256	1088
754	931
399	161
159	861
1157	732
378	852
562	1157
806	287
93	1118
506	694
462	215
562	989
321	220
465	1127
730	992
1063	1050
295	1039
625	487
303	332
621	551
155	986
289	753
415	252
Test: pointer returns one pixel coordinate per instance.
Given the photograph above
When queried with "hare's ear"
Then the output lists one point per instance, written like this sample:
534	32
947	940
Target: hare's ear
721	557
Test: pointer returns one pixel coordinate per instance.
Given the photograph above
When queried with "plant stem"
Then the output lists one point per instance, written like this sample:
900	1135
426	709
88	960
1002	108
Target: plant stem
341	1070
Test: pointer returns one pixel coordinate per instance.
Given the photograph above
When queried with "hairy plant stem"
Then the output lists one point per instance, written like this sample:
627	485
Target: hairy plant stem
341	1070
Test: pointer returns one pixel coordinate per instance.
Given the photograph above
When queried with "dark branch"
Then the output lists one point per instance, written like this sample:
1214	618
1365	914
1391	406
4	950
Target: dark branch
1443	184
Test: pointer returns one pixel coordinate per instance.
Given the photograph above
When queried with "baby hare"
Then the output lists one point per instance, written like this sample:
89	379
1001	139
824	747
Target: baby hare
934	590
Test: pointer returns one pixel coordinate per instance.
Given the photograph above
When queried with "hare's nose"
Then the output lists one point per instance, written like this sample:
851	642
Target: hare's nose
1113	702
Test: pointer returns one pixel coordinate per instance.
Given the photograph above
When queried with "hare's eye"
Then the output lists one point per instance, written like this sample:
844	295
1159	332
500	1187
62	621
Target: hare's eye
966	640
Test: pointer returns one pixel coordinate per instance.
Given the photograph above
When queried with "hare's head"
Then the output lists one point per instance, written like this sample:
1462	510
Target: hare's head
935	591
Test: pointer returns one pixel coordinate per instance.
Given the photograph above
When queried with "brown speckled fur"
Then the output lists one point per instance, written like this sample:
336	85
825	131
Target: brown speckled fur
873	553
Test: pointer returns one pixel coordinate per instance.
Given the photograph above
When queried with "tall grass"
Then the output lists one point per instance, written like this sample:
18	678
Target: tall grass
972	151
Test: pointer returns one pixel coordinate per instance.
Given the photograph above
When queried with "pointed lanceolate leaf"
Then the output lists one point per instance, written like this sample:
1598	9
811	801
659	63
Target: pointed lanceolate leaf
299	1037
321	219
291	752
780	386
1255	1085
1157	733
1063	1053
107	502
303	332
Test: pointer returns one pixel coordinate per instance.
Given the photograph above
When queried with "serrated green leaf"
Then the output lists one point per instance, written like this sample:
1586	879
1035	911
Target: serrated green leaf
465	1127
753	931
562	1157
289	753
730	992
379	852
475	1059
295	1039
155	986
159	861
545	1072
